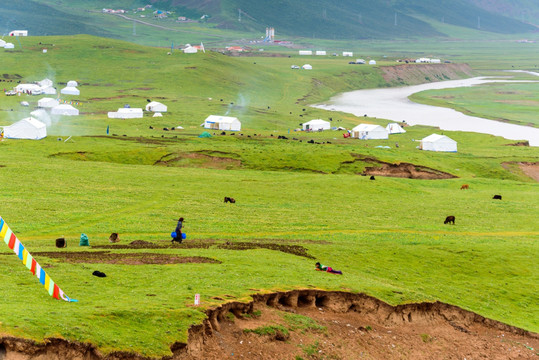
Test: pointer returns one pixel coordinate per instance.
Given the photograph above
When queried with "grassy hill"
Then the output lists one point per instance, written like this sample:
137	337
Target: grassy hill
322	19
387	235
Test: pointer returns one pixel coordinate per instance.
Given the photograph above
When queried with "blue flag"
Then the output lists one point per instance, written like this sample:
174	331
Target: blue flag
107	129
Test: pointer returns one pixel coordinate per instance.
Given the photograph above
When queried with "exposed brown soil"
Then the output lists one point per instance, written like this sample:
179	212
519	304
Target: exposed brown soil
402	170
199	160
269	244
105	257
528	168
411	74
290	249
520	143
340	326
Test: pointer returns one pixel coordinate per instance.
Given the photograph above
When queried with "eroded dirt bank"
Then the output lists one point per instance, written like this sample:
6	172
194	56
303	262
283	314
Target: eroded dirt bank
314	324
413	74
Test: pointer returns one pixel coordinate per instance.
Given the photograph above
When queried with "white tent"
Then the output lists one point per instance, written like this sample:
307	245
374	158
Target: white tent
316	125
33	89
305	52
190	49
27	128
156	107
25	103
157	114
47	102
395	128
217	122
369	132
372	62
41	115
9	46
126	113
320	52
72	83
45	83
307	67
48	91
437	142
2	43
70	90
64	109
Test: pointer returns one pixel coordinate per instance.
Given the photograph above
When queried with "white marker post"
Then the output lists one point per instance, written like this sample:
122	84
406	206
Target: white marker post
197	299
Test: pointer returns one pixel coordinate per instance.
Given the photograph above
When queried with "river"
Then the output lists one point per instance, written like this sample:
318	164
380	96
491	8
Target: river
393	104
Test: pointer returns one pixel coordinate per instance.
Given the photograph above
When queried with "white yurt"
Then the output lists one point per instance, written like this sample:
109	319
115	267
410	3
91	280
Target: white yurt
372	62
64	109
217	122
48	90
27	128
307	67
126	113
45	83
316	125
25	103
9	46
395	128
156	107
157	114
47	102
2	43
437	142
369	132
72	83
70	90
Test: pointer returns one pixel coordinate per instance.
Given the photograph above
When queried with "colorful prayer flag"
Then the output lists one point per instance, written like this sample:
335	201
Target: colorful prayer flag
28	260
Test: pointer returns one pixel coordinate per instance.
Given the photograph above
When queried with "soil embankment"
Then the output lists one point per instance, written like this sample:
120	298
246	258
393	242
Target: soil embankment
315	324
413	74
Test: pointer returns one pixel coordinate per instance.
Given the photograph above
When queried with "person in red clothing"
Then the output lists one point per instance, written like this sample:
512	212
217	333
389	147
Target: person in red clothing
320	267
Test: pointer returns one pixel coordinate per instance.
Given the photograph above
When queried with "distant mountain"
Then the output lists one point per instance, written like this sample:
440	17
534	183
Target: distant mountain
523	10
322	19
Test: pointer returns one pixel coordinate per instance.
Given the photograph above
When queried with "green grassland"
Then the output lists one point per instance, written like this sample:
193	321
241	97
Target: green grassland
387	236
514	102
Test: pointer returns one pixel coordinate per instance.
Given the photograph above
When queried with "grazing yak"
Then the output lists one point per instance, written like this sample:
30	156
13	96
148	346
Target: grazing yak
497	197
465	187
372	177
450	219
230	200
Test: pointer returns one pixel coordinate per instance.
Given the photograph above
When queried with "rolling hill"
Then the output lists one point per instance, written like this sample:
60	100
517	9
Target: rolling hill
320	19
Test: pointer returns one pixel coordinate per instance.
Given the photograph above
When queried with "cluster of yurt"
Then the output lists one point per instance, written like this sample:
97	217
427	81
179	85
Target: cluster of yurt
41	87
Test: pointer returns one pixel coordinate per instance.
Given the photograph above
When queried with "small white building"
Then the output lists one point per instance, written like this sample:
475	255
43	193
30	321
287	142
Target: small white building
216	122
126	113
307	67
369	132
27	128
347	53
64	109
156	107
19	33
316	125
70	90
320	52
47	103
437	142
32	89
395	128
305	52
